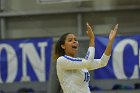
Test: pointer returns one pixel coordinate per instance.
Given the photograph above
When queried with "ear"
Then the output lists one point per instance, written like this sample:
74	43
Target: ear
63	47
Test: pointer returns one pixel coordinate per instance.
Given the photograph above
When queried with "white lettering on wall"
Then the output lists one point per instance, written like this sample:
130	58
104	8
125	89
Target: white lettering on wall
36	61
11	62
118	59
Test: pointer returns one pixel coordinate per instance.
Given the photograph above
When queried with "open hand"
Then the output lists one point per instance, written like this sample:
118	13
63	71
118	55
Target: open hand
90	32
113	33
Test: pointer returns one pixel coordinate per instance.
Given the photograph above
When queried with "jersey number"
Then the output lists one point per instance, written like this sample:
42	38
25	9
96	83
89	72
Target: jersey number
87	77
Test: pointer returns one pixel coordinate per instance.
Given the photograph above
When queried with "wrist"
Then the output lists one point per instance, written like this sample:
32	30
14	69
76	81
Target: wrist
91	44
111	41
91	40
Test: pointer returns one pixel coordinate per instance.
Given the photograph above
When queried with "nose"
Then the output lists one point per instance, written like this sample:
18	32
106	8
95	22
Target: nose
75	41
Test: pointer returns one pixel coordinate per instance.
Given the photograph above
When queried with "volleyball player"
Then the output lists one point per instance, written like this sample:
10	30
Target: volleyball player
73	72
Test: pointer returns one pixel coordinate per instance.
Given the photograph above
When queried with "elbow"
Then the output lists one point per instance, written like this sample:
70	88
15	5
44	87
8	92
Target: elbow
90	60
103	64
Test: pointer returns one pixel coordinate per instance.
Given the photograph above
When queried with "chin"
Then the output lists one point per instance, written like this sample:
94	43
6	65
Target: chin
74	53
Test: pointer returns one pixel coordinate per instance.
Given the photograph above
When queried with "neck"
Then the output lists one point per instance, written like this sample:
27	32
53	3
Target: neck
69	55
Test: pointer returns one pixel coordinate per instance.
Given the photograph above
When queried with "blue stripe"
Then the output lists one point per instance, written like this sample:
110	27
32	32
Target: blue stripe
85	76
87	55
72	59
88	76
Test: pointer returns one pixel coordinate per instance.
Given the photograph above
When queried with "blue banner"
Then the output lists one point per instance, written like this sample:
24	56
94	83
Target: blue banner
25	60
124	62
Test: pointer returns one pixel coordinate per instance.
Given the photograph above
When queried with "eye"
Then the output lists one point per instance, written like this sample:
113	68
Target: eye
69	40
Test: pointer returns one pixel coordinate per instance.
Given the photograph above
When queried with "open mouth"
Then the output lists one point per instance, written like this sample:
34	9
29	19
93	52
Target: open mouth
75	47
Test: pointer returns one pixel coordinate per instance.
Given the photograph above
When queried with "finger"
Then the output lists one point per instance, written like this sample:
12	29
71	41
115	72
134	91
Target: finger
116	27
87	23
88	26
111	32
87	33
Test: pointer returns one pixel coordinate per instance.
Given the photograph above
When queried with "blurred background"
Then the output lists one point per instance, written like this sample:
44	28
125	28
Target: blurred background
28	19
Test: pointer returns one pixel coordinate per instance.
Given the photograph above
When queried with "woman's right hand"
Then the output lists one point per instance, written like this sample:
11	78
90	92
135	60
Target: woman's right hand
90	35
90	32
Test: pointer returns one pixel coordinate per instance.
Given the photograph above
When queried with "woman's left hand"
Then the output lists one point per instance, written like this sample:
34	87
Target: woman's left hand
111	40
113	33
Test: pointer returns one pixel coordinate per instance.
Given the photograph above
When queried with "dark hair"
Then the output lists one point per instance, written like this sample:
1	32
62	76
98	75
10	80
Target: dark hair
59	51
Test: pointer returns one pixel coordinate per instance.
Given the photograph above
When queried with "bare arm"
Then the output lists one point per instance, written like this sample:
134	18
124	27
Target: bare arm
111	40
90	34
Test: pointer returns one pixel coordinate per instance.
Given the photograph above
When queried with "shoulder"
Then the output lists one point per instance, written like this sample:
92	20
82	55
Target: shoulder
61	61
61	58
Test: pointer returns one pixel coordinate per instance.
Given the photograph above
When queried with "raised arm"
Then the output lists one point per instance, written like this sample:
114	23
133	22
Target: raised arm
98	63
91	36
111	40
90	63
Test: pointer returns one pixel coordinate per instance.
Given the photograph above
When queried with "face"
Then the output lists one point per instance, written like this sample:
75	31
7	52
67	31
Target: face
71	45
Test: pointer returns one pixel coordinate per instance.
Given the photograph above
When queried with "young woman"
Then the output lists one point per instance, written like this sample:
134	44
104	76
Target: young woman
73	72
